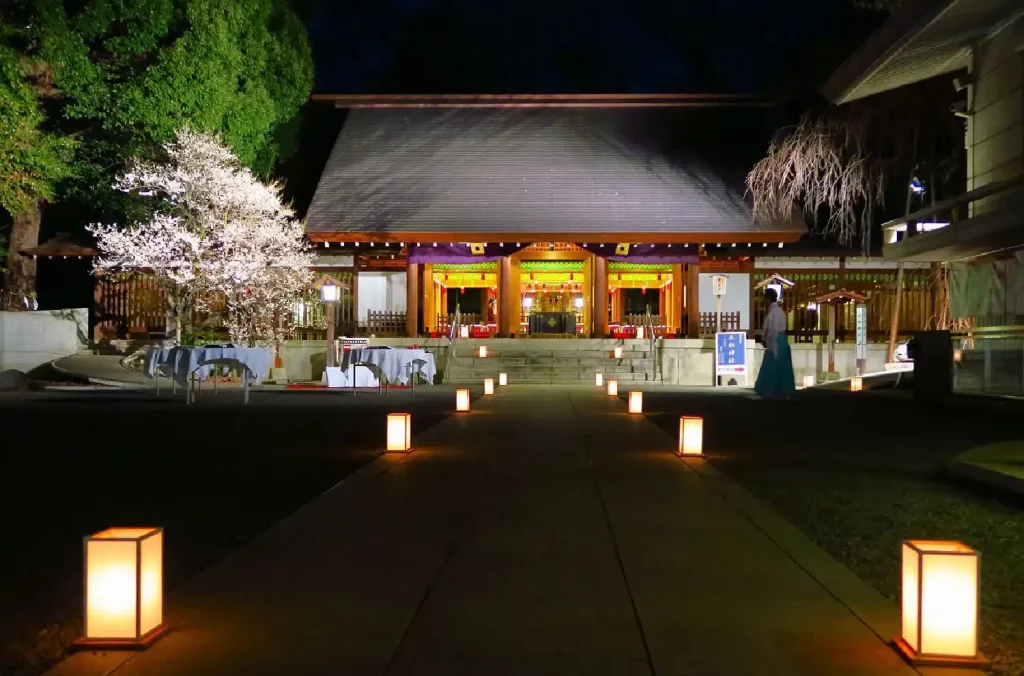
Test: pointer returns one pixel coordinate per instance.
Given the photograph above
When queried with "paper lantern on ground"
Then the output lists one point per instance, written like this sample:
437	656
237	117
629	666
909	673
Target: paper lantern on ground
482	352
399	432
808	381
618	353
124	587
940	603
636	401
691	435
958	354
488	385
502	379
599	379
613	388
463	332
856	384
640	329
461	399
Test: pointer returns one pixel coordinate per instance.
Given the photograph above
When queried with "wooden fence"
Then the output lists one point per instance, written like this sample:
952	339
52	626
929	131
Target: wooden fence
730	322
385	323
128	306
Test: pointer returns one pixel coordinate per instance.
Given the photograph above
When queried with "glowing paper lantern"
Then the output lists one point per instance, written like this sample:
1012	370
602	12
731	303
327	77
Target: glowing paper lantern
482	352
502	379
640	329
488	385
856	384
461	399
613	388
636	401
618	353
808	381
124	587
958	354
940	603
463	332
399	432
691	435
599	379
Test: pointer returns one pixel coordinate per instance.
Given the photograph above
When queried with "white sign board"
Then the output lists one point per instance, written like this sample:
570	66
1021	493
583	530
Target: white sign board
718	284
862	331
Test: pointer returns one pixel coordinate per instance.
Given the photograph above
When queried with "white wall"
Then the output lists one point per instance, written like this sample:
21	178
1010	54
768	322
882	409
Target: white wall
31	339
736	298
381	291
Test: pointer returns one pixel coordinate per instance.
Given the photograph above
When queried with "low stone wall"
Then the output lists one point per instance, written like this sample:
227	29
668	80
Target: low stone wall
31	339
691	362
305	360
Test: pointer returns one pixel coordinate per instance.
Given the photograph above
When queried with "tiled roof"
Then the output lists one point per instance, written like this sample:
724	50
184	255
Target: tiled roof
570	171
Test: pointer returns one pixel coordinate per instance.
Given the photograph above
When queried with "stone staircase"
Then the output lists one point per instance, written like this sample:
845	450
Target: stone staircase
553	362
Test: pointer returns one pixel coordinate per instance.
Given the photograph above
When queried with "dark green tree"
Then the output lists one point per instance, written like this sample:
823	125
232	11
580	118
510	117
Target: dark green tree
112	79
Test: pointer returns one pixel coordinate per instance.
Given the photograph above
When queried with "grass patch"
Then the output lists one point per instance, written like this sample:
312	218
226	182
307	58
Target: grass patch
858	474
214	475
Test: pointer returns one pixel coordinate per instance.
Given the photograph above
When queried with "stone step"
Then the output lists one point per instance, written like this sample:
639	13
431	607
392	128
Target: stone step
554	354
541	379
455	367
587	377
531	359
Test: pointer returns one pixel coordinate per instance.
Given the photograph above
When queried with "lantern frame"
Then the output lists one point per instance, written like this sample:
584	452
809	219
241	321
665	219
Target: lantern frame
682	450
403	443
117	537
636	401
919	551
502	379
613	388
856	384
488	385
462	404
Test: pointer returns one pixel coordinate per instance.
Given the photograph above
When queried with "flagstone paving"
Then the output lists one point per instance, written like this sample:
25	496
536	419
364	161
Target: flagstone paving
546	532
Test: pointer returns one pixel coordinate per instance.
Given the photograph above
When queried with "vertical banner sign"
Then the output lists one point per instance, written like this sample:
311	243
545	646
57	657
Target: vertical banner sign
862	333
731	354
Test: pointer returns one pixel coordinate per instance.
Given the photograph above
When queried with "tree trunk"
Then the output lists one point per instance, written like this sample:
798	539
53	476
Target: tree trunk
20	279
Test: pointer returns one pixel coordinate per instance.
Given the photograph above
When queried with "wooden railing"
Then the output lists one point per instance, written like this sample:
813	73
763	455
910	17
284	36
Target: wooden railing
730	322
385	323
128	306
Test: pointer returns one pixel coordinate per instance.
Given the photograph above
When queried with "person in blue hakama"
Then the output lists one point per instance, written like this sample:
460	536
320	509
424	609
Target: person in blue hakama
775	380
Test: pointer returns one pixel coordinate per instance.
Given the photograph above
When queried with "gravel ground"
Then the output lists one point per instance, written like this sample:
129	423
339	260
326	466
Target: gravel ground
860	473
214	475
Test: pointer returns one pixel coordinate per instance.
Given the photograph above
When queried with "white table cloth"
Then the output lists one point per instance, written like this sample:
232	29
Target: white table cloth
335	376
182	362
395	365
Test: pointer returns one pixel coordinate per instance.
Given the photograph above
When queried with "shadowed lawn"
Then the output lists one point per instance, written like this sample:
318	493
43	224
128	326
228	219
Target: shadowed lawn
860	473
214	475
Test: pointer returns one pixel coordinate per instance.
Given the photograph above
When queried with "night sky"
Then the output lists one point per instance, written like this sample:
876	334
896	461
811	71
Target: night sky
565	46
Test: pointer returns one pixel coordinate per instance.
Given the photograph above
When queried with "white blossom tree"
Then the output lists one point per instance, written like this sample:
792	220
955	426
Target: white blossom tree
217	231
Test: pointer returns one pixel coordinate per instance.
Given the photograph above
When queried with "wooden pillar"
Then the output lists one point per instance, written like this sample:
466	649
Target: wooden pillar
588	303
355	295
412	300
506	298
600	311
692	292
427	298
662	291
678	298
514	307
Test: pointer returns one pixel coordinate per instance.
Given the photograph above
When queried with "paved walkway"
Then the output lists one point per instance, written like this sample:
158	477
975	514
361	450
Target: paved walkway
547	532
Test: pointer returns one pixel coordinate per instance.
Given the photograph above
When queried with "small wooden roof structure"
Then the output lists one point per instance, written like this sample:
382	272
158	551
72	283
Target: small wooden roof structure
62	245
841	296
773	278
